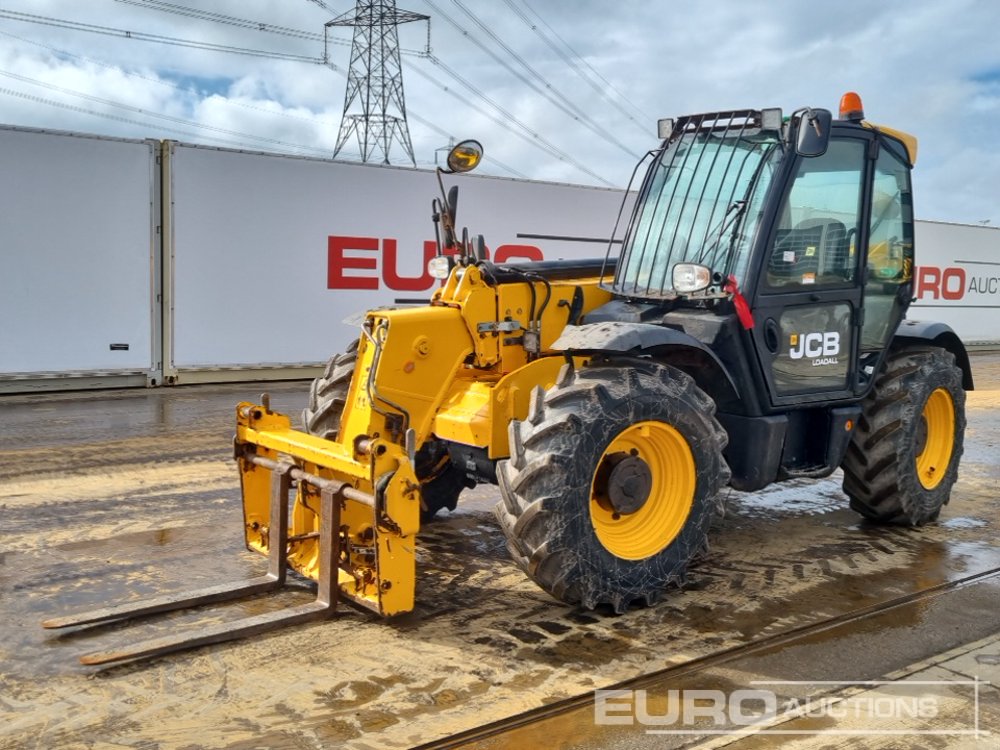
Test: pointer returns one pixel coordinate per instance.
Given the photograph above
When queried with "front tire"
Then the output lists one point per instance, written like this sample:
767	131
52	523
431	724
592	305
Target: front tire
904	453
612	482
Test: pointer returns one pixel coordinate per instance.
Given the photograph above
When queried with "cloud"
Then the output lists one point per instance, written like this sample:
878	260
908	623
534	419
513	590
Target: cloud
927	67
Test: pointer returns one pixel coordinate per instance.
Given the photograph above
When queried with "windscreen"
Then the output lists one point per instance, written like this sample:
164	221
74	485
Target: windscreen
700	203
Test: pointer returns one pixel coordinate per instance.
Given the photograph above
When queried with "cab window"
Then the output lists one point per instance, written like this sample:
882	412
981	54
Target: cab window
814	243
890	250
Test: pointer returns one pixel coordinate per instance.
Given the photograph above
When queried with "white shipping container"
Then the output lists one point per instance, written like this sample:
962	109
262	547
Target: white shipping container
957	279
261	257
77	251
271	253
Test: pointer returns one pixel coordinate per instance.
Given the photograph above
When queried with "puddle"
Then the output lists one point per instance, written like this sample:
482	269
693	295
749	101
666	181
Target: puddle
963	522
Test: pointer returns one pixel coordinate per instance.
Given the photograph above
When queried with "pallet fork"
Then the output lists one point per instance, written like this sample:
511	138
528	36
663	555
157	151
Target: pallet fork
337	544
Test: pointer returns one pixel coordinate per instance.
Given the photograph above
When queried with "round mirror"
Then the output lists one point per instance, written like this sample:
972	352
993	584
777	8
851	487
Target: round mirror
465	156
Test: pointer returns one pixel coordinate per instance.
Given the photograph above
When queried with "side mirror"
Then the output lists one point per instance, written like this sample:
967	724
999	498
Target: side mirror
813	135
465	156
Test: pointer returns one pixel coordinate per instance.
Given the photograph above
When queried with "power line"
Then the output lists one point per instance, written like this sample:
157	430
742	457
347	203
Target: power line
426	123
164	82
168	118
324	6
205	15
245	23
440	131
144	37
576	62
578	114
542	88
167	7
118	118
534	139
526	133
257	25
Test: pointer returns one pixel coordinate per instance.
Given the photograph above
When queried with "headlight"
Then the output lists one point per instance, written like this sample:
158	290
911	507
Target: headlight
691	277
440	266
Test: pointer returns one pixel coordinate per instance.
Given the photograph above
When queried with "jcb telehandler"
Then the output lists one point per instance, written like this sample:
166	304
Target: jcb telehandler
750	330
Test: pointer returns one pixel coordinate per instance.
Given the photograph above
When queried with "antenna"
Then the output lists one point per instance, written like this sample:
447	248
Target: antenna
375	80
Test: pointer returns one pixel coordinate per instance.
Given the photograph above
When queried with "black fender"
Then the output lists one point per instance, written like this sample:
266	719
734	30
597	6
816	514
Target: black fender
923	332
669	345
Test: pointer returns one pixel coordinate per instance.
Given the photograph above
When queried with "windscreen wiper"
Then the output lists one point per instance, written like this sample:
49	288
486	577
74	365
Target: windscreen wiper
728	220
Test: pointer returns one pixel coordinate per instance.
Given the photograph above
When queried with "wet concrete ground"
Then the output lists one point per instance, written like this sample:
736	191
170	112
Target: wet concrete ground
107	496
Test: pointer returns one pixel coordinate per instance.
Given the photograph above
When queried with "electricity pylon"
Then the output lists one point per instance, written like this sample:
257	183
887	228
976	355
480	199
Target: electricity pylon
375	80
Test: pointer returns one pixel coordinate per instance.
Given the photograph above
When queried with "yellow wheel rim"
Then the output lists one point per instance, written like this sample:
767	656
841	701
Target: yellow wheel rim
935	455
672	479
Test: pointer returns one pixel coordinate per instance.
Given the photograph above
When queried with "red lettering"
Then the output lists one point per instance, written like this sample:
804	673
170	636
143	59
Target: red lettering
406	283
338	262
956	290
526	252
940	283
928	280
344	263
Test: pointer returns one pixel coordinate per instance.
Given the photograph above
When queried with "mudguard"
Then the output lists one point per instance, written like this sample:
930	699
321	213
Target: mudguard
916	332
674	347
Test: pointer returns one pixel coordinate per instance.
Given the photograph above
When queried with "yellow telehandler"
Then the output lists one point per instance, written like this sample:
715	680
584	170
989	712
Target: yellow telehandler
751	330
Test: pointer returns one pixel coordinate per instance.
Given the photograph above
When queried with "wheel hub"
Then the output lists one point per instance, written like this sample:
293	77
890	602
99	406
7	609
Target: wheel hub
629	484
935	436
643	490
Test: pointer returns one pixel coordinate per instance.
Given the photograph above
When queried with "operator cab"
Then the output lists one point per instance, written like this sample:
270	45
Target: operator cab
801	225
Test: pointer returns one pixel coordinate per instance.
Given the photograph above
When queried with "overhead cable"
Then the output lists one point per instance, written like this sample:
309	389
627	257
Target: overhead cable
534	139
508	122
440	131
166	82
158	116
245	23
577	62
144	37
539	85
206	15
119	118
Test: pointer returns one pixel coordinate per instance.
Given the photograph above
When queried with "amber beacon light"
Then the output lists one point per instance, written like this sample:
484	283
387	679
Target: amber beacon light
850	107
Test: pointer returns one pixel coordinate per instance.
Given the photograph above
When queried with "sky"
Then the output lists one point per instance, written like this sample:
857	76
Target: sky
559	90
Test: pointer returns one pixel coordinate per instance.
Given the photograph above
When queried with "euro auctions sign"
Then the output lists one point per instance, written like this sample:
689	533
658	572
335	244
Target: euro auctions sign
898	708
955	283
957	279
374	263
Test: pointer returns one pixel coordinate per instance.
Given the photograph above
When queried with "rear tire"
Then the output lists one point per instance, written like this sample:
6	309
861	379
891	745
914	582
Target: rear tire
612	482
328	395
904	453
440	481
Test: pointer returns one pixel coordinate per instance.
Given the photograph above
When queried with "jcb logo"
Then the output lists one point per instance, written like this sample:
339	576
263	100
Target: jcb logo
826	344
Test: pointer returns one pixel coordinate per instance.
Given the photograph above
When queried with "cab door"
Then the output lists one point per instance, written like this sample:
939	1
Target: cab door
888	265
809	290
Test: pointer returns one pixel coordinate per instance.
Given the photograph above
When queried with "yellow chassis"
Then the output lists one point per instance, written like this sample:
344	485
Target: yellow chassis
456	370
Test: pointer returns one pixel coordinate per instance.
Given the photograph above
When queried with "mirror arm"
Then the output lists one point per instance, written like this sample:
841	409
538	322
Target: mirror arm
811	118
814	121
436	218
447	213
